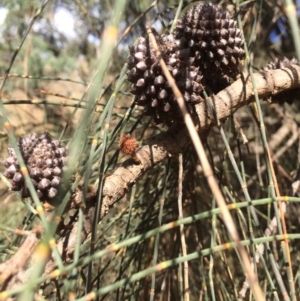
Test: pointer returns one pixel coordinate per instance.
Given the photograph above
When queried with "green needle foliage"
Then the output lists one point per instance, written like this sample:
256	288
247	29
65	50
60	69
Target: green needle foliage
76	88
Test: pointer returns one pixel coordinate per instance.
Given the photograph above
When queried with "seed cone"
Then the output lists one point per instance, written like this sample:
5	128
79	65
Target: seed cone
213	38
286	96
150	85
278	64
45	160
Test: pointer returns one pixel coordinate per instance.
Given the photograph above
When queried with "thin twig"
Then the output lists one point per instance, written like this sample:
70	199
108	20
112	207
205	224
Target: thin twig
181	229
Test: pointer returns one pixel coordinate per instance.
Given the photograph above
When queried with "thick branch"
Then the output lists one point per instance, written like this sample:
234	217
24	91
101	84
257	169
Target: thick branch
241	92
228	101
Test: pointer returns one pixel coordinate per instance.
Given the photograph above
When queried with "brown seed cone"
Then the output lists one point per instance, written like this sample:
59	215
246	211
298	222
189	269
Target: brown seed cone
149	83
45	160
213	38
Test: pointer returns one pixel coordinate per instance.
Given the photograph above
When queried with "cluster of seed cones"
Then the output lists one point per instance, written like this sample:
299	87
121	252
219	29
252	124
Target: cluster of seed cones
206	48
45	160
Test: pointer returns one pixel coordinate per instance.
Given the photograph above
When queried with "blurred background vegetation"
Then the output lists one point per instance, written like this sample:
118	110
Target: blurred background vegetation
60	83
